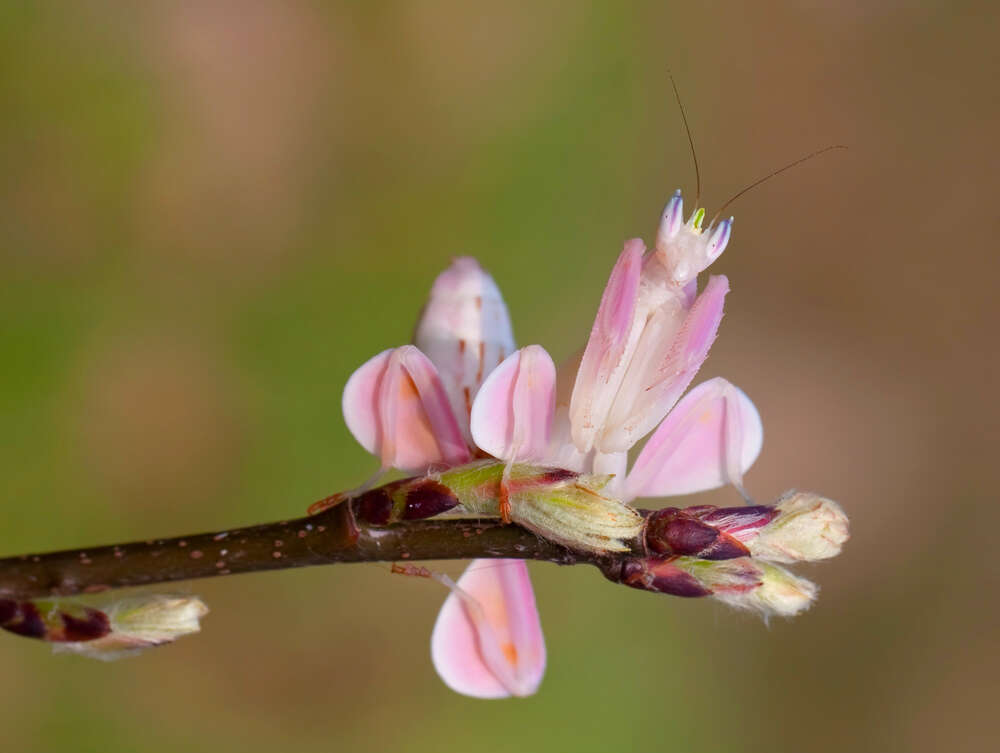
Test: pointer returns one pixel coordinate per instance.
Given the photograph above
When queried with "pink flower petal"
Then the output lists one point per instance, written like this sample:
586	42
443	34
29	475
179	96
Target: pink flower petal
487	641
608	349
665	362
465	330
512	414
709	439
396	407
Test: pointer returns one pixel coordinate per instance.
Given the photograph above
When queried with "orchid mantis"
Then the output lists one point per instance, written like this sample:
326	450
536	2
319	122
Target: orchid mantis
463	389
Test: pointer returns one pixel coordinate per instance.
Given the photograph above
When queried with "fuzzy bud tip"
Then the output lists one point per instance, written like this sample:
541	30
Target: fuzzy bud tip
807	527
778	592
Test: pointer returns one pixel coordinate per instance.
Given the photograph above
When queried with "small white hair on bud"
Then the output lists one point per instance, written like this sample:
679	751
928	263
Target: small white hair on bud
140	622
808	527
578	515
779	593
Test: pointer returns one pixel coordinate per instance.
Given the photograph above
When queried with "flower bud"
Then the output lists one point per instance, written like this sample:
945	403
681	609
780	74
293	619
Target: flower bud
744	583
54	620
559	505
141	622
675	531
661	576
799	527
723	579
577	515
750	584
778	592
807	527
407	499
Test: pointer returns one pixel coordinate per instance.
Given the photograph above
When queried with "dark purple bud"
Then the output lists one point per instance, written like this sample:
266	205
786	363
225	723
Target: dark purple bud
94	624
428	498
661	576
674	531
8	609
374	507
26	621
406	499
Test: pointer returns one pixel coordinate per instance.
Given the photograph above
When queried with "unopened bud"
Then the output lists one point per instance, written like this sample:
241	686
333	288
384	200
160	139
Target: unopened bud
561	506
747	583
53	620
723	579
778	593
577	515
702	532
800	527
661	576
141	622
407	499
807	527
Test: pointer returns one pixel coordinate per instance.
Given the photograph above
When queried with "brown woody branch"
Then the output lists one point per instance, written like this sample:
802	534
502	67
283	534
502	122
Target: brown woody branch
333	536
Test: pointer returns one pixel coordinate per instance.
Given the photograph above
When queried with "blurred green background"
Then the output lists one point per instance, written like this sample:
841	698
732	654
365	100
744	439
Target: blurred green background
211	212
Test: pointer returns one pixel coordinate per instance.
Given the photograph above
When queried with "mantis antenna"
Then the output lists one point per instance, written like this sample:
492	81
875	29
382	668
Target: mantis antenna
768	177
687	129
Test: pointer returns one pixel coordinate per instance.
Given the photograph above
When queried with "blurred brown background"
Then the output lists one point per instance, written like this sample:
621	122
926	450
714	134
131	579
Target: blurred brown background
212	212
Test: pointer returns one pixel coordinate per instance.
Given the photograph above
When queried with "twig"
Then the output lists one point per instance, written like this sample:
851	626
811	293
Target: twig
329	537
